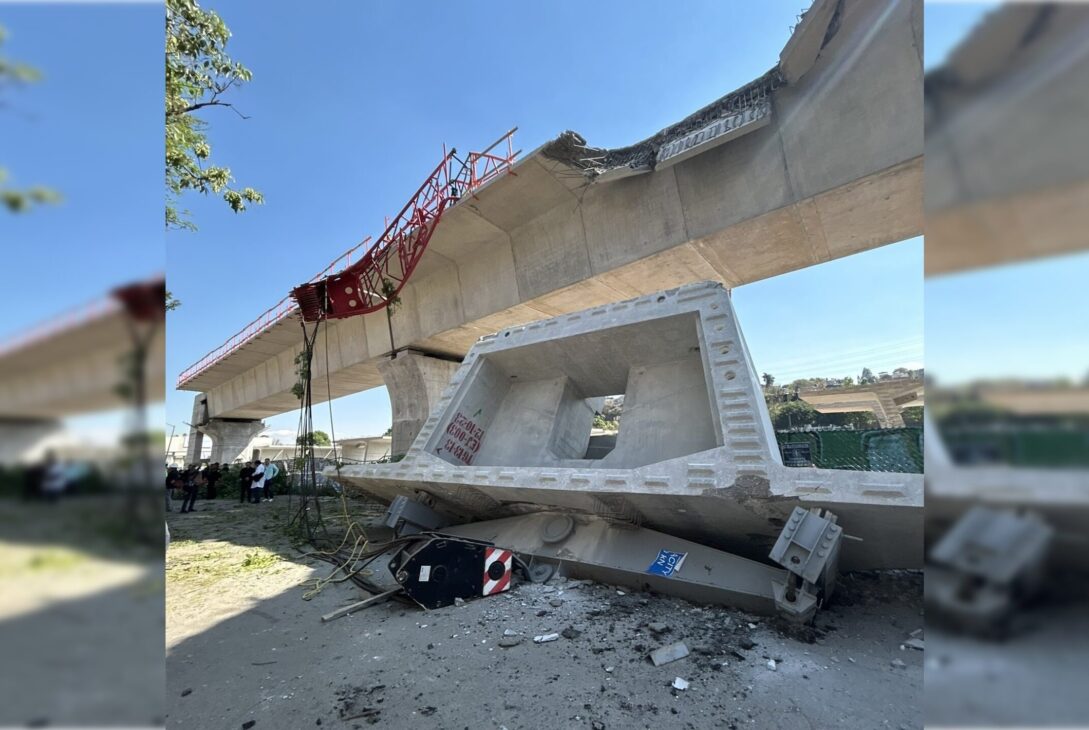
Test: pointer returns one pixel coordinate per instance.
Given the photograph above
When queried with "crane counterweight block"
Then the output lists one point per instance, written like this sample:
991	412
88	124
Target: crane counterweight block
310	298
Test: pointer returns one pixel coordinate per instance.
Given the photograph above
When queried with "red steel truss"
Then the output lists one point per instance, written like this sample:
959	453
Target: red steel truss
376	279
391	259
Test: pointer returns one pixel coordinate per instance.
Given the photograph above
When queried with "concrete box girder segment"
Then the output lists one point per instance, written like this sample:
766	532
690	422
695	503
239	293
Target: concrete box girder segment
75	369
695	457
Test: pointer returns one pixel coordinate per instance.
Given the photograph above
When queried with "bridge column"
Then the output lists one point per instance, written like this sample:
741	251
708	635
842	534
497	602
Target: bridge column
22	439
231	438
415	383
891	416
196	438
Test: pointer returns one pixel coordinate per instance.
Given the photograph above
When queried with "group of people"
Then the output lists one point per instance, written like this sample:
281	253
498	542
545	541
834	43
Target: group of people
189	481
255	482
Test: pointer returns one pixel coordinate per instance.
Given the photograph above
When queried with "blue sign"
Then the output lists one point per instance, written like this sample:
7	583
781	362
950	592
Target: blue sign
667	563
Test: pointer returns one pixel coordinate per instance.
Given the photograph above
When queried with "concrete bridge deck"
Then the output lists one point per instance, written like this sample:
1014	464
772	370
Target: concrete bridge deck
70	365
73	365
1007	164
822	158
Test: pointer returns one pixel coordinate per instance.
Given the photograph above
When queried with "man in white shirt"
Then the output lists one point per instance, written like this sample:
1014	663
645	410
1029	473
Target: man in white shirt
271	470
257	491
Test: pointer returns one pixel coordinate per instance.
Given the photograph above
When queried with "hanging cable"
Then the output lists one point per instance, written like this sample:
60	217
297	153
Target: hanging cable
308	515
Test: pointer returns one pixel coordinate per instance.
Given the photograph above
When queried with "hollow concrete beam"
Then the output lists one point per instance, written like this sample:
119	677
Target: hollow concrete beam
695	456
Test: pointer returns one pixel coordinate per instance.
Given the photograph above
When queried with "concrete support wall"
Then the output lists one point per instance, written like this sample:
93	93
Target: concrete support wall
415	382
667	413
196	438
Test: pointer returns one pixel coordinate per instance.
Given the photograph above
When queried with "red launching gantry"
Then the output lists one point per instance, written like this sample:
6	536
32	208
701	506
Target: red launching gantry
371	283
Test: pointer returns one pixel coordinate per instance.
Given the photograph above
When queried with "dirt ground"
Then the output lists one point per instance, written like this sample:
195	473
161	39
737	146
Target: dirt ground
81	616
244	649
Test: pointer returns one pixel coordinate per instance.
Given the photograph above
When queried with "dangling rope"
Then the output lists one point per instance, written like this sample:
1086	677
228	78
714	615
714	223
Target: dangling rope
349	564
308	516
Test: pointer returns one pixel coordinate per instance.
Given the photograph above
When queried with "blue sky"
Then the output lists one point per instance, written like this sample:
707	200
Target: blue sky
92	129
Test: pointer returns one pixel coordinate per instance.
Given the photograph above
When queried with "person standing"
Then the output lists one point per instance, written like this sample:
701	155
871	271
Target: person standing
258	489
271	471
55	479
193	482
245	482
211	474
171	484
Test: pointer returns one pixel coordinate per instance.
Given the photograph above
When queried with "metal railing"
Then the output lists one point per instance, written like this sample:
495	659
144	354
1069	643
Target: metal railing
278	311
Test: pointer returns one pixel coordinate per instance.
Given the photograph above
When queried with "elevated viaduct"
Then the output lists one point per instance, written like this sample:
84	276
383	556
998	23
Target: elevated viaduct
818	159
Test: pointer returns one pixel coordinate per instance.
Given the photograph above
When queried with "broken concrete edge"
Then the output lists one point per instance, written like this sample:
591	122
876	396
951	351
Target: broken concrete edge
571	149
817	26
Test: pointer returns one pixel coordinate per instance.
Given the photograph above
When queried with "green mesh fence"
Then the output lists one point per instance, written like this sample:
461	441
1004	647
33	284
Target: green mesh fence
887	449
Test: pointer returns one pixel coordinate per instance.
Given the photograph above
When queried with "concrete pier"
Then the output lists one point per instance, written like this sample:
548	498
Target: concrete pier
415	382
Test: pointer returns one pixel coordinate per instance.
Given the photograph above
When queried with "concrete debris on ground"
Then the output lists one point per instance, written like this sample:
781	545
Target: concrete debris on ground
595	668
668	654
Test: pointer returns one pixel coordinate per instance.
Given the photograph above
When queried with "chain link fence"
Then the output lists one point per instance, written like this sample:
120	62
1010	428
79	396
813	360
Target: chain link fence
886	449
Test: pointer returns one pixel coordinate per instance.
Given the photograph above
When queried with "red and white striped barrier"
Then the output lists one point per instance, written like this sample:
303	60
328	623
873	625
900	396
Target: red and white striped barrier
497	565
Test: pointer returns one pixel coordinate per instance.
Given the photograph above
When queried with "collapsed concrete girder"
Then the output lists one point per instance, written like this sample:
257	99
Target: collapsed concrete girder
695	456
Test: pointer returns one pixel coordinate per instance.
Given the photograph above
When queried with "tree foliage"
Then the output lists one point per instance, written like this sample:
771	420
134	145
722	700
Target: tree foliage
198	74
18	200
793	414
608	418
913	416
314	438
302	374
799	414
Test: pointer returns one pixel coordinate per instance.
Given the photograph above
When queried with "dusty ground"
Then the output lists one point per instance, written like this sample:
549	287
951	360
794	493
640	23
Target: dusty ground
244	647
81	616
1033	678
